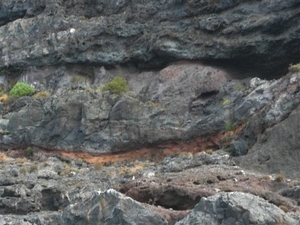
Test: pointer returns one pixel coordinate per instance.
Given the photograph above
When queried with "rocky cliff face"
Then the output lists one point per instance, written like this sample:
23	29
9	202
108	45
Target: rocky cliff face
252	34
178	103
195	110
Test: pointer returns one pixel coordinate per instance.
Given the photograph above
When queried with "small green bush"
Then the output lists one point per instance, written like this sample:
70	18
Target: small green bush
117	86
28	153
225	101
229	127
21	89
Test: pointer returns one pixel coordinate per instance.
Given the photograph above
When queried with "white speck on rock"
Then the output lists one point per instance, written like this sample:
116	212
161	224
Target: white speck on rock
293	80
150	174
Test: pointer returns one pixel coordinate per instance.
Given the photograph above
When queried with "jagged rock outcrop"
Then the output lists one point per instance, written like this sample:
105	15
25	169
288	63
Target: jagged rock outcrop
277	149
180	102
204	175
251	34
236	208
110	207
52	189
162	106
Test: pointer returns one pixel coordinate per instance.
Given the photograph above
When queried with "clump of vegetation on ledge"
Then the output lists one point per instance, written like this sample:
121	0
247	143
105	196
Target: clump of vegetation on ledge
76	79
229	127
41	94
117	86
21	89
225	101
155	104
294	67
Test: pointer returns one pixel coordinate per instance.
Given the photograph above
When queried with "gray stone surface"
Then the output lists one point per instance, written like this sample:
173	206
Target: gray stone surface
110	207
168	105
238	148
149	33
52	189
236	208
71	48
3	123
183	87
277	150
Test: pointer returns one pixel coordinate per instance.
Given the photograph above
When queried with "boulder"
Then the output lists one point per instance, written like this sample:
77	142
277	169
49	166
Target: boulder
277	151
238	148
236	208
183	87
109	207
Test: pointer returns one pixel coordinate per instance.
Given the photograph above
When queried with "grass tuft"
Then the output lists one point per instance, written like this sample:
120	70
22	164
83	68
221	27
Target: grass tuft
294	68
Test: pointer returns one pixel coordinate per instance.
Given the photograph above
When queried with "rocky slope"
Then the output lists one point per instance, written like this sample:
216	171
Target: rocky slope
230	122
52	189
198	139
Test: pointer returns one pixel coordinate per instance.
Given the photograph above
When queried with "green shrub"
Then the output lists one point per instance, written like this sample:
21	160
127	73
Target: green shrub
225	101
21	89
116	86
229	127
28	153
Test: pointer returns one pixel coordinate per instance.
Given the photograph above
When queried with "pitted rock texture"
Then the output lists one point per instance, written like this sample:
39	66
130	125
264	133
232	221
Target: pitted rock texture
249	34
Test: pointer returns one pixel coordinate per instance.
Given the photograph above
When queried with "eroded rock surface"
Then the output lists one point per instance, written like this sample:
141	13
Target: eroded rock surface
167	189
180	102
110	207
51	189
236	208
150	33
199	109
277	151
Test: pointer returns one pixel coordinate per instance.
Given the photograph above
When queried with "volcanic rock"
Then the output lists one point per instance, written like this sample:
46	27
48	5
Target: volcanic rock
236	208
249	34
